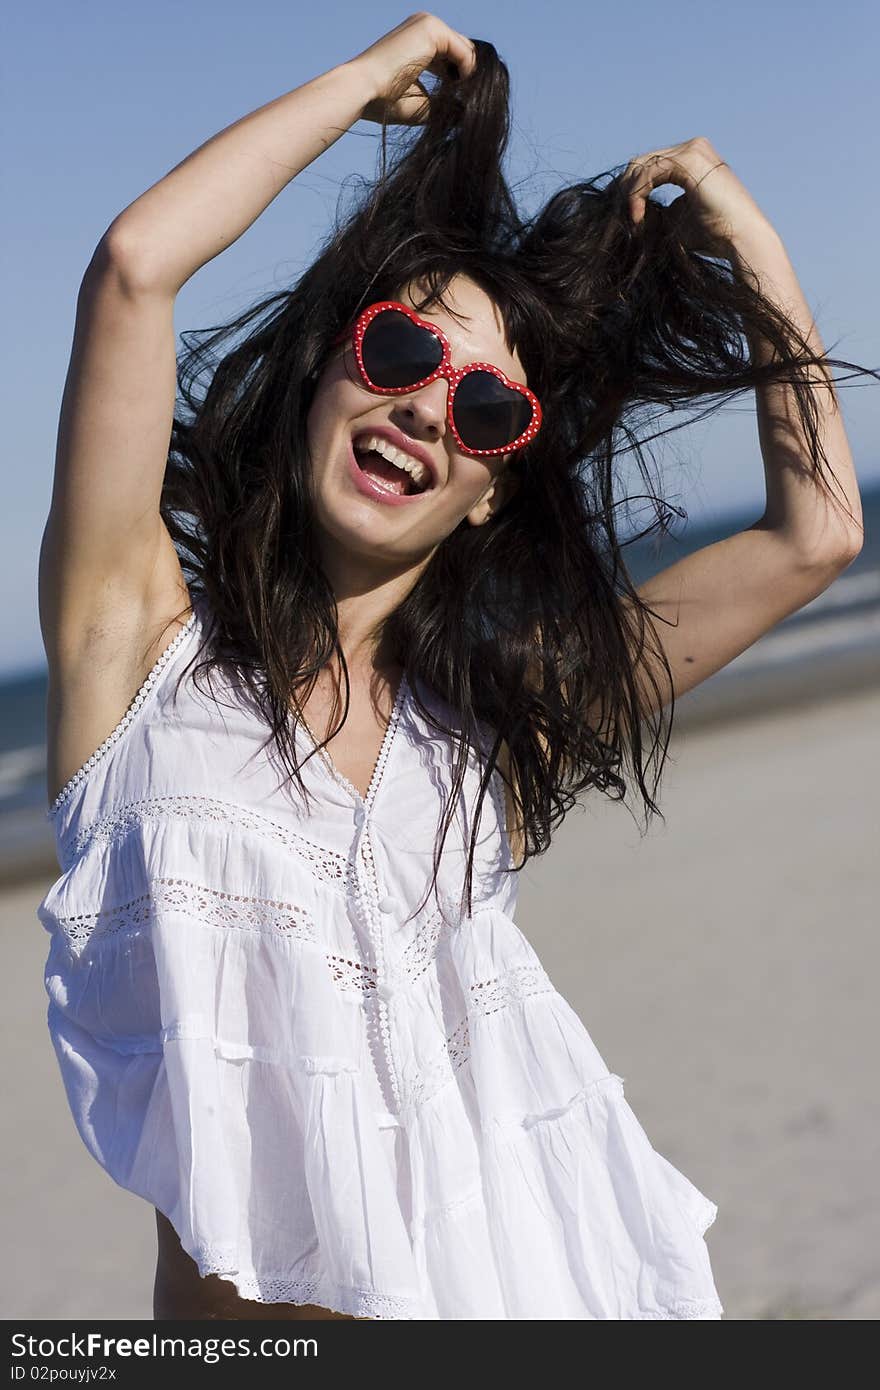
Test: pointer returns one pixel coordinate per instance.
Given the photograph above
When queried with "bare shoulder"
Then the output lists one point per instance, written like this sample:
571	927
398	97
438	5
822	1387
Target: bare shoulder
100	660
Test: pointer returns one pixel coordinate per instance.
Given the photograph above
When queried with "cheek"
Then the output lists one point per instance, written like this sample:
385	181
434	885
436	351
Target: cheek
468	480
336	402
334	409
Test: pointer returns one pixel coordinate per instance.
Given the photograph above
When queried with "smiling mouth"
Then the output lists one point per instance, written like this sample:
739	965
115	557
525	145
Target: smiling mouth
389	468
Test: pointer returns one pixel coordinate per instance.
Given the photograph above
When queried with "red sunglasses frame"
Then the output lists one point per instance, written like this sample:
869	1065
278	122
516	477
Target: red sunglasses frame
453	375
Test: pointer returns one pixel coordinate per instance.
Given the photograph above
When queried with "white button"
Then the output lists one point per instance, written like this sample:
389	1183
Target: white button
386	990
387	904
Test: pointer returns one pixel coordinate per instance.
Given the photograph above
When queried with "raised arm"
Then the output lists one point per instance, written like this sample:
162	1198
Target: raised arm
111	589
106	553
719	600
106	557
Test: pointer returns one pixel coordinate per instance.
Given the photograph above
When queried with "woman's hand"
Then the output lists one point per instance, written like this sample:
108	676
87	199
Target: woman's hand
716	212
392	67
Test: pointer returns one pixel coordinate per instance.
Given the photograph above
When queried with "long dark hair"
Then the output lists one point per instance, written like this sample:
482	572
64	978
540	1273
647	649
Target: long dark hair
530	626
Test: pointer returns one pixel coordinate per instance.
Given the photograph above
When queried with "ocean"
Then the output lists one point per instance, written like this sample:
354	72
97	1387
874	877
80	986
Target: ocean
831	644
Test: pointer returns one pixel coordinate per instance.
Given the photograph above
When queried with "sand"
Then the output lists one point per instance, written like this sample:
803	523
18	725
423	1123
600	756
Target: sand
725	966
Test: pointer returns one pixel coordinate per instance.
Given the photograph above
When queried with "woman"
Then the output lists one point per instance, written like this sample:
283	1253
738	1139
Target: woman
290	1003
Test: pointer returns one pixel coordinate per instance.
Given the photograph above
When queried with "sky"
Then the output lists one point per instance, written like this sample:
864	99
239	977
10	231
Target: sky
100	100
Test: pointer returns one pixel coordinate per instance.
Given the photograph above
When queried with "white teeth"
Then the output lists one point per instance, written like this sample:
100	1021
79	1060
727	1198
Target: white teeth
414	467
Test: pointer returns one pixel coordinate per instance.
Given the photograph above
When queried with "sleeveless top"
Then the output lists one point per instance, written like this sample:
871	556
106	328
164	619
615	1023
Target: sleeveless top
334	1098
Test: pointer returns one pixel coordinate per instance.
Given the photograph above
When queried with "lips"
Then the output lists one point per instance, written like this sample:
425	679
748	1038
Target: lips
405	444
375	491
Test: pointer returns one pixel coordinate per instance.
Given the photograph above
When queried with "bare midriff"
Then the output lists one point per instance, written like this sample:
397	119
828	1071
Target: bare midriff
180	1292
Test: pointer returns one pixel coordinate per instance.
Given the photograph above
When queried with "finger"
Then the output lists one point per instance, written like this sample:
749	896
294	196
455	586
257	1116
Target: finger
638	180
455	55
462	53
644	175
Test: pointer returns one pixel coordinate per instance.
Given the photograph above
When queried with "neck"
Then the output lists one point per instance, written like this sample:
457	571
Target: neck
365	596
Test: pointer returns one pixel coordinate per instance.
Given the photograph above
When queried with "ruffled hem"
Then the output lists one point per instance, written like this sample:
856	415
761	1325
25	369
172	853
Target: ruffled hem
707	1308
518	1185
319	1290
322	1292
567	1214
366	1303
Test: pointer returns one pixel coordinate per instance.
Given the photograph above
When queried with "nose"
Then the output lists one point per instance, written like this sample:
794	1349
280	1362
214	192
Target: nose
423	411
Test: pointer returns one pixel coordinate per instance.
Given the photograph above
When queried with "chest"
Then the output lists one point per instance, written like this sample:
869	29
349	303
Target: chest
354	750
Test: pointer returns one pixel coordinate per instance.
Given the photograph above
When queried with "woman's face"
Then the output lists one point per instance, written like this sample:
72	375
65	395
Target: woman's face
463	487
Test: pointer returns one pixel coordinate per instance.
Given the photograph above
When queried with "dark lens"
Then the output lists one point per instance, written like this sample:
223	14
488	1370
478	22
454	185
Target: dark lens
397	352
487	413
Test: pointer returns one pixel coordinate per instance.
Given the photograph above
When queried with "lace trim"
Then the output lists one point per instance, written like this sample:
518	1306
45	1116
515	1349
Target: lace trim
696	1308
355	1302
352	974
278	1288
214	907
195	900
458	1045
221	1257
419	955
442	1069
324	864
520	982
359	1303
484	997
365	886
115	735
367	899
228	911
382	758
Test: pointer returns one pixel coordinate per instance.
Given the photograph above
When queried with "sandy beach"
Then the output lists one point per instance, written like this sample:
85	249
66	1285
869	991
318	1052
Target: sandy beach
725	966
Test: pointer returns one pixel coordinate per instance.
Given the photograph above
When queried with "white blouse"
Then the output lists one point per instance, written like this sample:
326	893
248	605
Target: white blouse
332	1100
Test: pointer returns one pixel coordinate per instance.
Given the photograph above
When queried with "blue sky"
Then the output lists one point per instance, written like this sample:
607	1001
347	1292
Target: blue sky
102	99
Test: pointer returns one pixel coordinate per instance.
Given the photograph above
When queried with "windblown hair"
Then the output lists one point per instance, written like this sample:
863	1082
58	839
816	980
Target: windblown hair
529	626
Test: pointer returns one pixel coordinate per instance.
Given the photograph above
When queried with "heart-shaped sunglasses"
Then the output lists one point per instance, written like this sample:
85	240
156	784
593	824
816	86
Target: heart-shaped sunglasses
396	351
